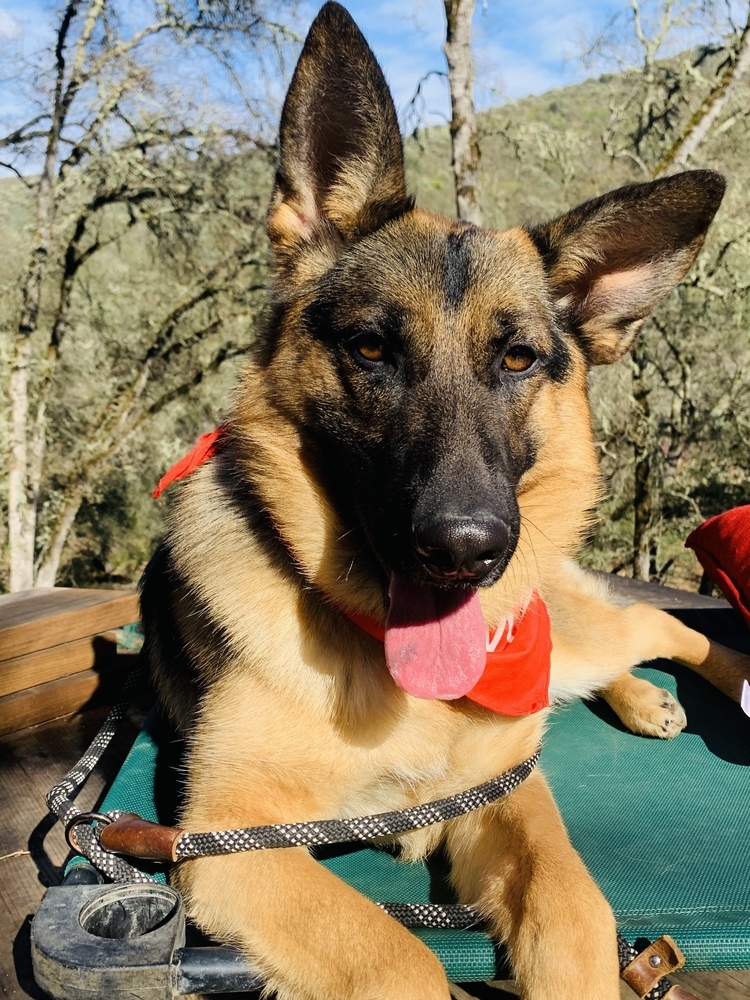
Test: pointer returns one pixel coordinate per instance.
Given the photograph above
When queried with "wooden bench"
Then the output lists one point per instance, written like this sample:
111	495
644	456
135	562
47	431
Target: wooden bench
57	651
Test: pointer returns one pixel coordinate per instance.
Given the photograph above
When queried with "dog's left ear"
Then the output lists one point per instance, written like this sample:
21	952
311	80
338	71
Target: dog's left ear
341	169
611	261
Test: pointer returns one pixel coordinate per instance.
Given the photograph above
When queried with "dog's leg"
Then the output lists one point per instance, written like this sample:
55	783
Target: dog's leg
653	711
515	862
309	935
593	638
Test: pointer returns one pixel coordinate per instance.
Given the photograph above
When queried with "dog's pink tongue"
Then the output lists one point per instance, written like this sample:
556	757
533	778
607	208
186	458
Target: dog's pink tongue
434	640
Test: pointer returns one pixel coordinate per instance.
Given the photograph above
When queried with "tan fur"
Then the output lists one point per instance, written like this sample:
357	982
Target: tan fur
289	708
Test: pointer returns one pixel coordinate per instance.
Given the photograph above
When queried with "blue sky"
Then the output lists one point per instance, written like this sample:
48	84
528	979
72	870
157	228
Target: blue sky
520	48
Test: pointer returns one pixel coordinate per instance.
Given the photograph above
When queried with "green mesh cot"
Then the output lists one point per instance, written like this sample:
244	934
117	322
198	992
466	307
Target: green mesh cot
663	826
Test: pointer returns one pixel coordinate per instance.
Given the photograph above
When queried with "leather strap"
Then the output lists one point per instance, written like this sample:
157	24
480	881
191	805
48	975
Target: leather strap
139	838
658	960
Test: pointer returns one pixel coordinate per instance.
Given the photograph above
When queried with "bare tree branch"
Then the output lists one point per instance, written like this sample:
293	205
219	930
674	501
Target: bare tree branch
20	135
707	114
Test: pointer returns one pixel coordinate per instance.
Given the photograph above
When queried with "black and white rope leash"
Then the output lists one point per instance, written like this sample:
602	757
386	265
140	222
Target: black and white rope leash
342	831
87	828
60	796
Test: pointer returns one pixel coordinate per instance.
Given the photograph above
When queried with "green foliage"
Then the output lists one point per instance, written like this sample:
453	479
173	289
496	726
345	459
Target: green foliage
136	299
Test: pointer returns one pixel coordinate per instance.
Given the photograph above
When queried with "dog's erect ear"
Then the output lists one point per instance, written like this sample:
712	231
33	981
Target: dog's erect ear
341	161
612	260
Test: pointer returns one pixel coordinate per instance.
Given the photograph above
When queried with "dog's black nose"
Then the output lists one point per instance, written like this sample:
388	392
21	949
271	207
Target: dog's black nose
461	547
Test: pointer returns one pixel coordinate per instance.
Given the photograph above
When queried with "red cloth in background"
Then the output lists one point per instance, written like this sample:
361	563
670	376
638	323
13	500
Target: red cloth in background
722	545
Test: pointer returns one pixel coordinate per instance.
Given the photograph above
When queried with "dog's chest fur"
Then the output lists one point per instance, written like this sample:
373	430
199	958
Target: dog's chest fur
300	696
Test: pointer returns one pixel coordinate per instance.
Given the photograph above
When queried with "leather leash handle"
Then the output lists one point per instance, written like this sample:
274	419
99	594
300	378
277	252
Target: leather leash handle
140	838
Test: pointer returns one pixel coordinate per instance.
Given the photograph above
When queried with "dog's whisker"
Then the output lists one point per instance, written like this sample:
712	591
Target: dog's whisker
527	519
351	567
347	533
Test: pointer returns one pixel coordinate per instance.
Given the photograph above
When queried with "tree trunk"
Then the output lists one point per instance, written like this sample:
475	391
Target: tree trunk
463	127
21	507
27	447
643	506
48	570
22	496
645	501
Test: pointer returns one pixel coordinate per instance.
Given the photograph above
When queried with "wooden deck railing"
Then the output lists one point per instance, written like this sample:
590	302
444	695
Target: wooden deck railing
57	651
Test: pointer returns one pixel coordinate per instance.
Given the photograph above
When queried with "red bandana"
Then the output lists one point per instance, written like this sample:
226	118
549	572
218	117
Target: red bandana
516	678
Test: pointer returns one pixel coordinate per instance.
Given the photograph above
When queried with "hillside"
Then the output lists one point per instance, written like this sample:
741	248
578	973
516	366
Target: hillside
540	155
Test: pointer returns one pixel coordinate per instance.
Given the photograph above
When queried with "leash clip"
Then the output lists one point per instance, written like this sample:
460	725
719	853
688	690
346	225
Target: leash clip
85	817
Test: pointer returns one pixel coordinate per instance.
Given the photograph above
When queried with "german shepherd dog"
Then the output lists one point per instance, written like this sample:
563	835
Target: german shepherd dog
410	445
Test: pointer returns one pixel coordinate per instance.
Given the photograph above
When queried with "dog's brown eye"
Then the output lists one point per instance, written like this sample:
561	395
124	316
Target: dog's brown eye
371	350
518	359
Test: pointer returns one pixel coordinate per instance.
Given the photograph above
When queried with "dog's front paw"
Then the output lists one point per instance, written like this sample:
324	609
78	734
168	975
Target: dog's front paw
644	708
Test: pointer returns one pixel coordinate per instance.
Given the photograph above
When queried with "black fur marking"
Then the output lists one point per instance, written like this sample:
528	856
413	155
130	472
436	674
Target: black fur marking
457	266
548	252
528	456
264	346
322	323
241	493
163	647
558	362
317	319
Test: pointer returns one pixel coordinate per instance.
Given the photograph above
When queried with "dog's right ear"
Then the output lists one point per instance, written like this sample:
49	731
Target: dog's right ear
612	260
341	169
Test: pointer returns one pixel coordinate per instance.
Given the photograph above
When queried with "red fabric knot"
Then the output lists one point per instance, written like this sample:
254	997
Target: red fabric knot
207	446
